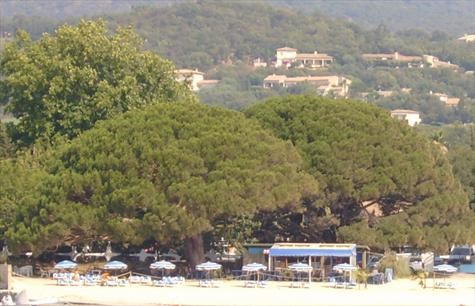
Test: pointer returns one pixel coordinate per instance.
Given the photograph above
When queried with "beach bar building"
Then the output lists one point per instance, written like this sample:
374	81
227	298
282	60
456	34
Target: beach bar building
313	252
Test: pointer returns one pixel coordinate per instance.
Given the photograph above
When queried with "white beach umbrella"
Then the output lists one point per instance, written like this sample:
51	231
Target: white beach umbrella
65	265
208	266
445	268
254	267
115	265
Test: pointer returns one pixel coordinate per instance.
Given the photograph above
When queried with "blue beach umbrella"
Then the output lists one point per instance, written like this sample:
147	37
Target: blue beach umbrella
445	268
254	267
115	265
301	268
65	265
208	266
162	265
344	267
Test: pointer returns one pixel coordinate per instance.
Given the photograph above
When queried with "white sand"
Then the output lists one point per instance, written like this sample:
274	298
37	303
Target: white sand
398	292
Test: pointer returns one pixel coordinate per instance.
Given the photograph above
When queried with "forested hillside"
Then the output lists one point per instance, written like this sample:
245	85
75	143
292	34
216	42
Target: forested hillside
459	15
204	34
396	14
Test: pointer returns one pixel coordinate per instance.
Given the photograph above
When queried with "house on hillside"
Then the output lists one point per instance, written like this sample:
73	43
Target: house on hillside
449	101
286	57
412	61
434	62
258	63
334	84
194	78
411	117
467	38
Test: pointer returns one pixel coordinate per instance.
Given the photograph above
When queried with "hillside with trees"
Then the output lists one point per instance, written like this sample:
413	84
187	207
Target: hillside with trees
107	145
383	184
397	15
223	40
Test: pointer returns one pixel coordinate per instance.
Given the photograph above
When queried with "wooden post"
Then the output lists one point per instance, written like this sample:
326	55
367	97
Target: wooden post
363	263
5	276
310	273
322	266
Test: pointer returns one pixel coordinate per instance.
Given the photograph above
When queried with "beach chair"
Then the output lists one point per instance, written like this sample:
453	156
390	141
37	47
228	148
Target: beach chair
134	279
111	283
63	281
250	284
158	283
122	282
444	285
145	279
88	281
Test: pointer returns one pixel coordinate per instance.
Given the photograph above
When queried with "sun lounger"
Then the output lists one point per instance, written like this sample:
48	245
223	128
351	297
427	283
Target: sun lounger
63	281
250	284
444	285
134	279
111	283
90	282
122	282
261	284
158	283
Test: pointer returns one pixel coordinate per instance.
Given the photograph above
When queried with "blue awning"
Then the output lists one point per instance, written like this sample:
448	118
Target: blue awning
281	251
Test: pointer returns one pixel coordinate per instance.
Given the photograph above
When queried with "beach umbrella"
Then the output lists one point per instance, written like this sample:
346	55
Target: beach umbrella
208	266
115	265
345	267
301	268
65	265
445	268
254	267
162	265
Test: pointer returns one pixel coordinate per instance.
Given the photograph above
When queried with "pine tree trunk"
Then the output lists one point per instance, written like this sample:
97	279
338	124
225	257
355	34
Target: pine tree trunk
194	250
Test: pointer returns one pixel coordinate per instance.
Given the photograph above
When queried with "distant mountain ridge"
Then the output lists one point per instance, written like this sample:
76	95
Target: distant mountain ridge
455	17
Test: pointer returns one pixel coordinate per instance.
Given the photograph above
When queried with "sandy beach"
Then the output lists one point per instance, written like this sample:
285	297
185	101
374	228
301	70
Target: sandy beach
398	292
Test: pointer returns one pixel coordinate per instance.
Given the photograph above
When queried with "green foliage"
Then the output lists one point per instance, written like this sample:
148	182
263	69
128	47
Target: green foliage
167	172
399	265
63	83
379	177
459	141
6	149
362	277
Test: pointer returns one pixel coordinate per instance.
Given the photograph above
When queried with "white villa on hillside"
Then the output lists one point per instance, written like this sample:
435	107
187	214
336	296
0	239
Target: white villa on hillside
411	117
434	62
449	101
195	78
467	38
412	61
335	84
286	56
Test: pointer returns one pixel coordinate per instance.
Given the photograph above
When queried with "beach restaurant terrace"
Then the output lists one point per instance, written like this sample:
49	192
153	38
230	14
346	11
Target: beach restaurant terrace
312	250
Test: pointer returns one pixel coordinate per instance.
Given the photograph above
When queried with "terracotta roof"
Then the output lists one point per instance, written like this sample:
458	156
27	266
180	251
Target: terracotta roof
392	56
404	111
287	49
188	71
275	77
208	82
321	56
452	101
